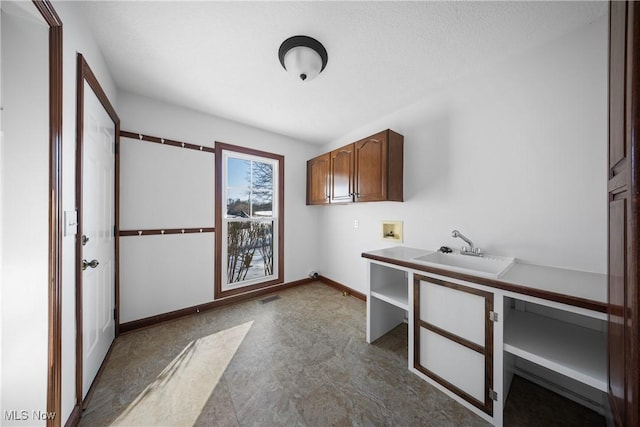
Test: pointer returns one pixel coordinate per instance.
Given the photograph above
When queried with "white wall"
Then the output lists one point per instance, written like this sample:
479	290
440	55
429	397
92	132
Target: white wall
24	202
77	38
514	156
144	258
25	181
165	187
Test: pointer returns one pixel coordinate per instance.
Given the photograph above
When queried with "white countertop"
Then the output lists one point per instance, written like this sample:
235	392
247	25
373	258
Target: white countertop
571	283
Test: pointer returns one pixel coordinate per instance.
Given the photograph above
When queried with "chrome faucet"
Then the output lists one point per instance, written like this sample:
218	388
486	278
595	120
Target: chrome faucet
471	249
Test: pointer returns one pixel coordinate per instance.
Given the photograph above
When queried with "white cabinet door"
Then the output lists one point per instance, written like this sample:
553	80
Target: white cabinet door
461	366
453	338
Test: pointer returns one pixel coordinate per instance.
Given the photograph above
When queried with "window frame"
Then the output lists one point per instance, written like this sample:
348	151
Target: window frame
221	288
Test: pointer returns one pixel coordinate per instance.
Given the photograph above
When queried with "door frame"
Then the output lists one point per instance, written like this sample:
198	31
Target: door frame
84	74
54	285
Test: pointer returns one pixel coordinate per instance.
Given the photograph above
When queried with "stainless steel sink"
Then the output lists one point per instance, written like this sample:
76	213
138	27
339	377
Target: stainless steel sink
490	266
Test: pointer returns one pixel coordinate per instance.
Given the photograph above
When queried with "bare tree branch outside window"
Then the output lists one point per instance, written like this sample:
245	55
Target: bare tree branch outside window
250	241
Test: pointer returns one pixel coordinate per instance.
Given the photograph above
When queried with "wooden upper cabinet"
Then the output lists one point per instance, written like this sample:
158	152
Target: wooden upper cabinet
379	165
318	172
342	174
368	170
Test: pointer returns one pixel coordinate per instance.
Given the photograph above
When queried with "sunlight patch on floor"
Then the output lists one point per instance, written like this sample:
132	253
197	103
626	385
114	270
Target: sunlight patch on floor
179	393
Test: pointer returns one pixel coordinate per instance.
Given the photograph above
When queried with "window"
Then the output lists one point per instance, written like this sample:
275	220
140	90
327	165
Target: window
249	225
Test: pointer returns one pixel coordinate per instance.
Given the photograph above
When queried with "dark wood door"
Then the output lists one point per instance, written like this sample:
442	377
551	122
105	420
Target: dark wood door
623	197
342	173
318	174
371	157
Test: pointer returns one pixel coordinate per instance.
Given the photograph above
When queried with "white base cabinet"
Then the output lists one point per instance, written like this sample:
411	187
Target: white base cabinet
468	339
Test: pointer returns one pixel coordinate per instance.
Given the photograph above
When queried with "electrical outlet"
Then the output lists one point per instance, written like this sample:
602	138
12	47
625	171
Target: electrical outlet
356	223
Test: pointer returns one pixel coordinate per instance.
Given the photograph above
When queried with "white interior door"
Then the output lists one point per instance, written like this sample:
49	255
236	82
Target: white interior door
98	251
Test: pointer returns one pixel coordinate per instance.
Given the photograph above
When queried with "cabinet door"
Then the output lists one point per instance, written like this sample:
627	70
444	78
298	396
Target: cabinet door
453	338
342	173
371	157
318	173
624	211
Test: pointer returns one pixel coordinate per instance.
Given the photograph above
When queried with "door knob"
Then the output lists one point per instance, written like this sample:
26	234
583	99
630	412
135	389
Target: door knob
93	264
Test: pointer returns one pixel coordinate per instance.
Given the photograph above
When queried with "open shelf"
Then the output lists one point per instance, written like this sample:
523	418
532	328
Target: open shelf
571	350
393	294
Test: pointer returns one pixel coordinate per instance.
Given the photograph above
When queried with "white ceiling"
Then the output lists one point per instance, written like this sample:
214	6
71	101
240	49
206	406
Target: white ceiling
222	57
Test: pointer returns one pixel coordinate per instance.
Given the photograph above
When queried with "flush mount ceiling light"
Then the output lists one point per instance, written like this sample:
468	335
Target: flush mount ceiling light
303	56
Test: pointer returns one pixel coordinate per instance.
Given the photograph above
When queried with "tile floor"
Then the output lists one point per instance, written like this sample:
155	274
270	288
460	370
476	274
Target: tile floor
301	360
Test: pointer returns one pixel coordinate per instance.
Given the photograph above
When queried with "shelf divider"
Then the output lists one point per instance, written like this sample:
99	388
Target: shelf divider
393	294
